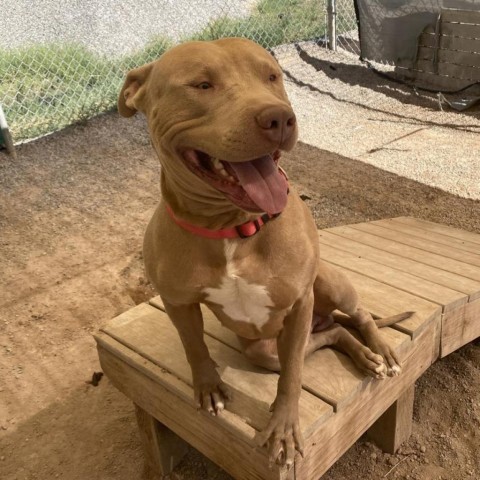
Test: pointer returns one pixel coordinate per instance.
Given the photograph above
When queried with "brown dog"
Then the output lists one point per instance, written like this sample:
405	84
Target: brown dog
219	117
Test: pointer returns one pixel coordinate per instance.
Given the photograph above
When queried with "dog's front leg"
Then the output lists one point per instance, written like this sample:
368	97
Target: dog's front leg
283	433
210	393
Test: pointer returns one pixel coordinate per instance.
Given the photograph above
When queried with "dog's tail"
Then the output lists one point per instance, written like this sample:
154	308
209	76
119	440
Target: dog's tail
387	321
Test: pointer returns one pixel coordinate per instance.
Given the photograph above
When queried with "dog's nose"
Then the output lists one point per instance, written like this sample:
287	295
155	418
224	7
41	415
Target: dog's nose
277	123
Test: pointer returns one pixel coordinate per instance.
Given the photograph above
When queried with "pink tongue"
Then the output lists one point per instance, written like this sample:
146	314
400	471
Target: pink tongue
265	185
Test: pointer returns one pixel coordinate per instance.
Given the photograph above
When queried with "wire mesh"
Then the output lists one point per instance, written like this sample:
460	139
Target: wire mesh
64	66
347	29
67	61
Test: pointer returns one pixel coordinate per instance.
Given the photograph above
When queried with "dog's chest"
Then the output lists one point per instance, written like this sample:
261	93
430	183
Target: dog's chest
240	299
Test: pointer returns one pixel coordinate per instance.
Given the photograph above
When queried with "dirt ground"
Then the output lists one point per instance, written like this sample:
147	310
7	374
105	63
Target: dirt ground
73	208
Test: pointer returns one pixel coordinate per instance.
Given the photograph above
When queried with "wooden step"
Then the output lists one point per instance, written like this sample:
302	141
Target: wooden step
396	265
149	332
445	260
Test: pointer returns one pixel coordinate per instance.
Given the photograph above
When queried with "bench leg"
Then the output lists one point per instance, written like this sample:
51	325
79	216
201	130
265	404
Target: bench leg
395	425
163	449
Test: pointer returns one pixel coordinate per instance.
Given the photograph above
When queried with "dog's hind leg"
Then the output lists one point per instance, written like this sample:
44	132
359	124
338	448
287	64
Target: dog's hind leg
341	339
333	291
263	352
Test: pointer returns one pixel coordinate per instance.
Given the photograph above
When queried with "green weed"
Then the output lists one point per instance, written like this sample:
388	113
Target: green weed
44	88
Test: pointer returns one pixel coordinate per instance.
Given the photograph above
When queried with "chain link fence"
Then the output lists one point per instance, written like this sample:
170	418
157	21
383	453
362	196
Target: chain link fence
63	63
346	26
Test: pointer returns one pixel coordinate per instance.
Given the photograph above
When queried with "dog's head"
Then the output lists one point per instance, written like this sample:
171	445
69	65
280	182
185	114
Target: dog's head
219	117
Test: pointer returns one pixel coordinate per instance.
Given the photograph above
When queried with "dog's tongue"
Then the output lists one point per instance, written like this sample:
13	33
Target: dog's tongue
263	182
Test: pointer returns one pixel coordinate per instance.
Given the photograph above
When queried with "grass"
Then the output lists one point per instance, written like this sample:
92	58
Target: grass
45	88
272	23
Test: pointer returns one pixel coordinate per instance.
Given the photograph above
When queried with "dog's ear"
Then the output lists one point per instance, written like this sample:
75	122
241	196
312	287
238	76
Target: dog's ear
133	91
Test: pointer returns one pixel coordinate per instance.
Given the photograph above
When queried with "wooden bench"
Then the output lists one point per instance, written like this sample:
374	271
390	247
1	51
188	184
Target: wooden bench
396	265
447	53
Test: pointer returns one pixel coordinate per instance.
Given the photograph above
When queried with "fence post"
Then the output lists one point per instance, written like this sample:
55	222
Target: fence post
332	24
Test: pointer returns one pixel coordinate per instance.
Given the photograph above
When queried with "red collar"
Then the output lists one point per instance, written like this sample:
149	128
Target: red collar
244	230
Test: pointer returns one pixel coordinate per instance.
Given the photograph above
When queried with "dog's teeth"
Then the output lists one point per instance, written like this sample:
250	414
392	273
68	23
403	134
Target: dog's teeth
220	169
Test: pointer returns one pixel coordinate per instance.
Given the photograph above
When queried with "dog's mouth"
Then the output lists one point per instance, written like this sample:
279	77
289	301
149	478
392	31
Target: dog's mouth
254	185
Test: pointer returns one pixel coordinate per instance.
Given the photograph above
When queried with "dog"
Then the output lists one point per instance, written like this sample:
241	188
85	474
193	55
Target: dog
231	233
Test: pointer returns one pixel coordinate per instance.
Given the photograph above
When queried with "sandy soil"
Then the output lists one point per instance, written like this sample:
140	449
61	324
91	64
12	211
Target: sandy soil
73	209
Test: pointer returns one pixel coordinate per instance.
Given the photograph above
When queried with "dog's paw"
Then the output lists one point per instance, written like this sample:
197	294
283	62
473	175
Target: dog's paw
212	397
370	363
210	393
392	362
282	437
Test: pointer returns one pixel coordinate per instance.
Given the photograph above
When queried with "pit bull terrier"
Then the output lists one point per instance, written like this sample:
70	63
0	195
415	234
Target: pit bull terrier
230	232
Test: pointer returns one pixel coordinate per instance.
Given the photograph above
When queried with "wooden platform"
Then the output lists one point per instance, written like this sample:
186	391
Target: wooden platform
448	53
396	265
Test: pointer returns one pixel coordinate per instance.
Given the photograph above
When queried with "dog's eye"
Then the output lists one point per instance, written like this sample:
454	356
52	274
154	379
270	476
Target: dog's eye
272	77
204	85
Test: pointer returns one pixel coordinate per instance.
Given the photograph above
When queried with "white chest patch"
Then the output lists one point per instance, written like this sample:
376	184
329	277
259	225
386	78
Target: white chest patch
240	300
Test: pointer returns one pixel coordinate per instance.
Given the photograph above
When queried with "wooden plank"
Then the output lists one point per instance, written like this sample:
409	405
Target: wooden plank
437	337
453	15
163	449
212	325
463	72
341	431
450	43
460	328
336	386
224	439
432	239
430	80
333	377
383	301
328	374
157	302
460	30
451	280
449	56
464	264
394	427
150	333
447	298
457	233
459	67
386	241
178	388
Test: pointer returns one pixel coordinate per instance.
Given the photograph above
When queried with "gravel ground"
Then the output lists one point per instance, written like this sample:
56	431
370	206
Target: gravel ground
108	26
345	108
